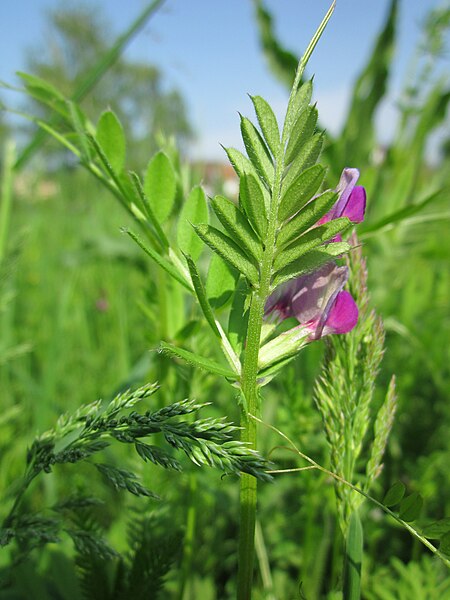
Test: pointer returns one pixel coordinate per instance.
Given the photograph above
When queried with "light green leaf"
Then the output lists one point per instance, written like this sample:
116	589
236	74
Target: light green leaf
229	251
306	158
310	261
238	319
300	101
410	507
47	94
268	123
308	216
194	211
146	206
240	163
201	295
394	494
160	186
237	226
198	361
111	139
160	260
301	190
312	239
301	132
252	200
220	281
257	151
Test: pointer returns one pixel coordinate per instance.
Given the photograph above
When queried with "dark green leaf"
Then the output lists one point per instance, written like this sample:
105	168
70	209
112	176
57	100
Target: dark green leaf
220	281
229	251
437	529
111	138
253	201
301	190
268	123
308	216
395	494
257	151
307	157
198	361
160	186
410	507
194	211
444	546
310	261
301	132
309	241
201	295
237	226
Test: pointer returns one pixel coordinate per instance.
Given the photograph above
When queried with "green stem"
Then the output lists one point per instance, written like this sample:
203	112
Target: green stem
249	376
353	558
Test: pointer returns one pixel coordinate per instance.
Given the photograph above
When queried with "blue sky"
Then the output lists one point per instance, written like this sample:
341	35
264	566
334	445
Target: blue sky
209	50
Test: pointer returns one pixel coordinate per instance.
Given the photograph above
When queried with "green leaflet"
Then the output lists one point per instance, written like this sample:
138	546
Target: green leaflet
410	507
300	191
238	319
307	217
237	226
301	132
307	157
253	200
201	295
301	100
111	138
310	261
220	281
240	163
395	494
79	123
44	92
268	123
160	186
160	260
309	241
229	251
257	150
194	211
146	206
198	361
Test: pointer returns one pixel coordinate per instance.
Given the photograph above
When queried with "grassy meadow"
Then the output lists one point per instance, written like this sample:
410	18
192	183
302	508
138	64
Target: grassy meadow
83	311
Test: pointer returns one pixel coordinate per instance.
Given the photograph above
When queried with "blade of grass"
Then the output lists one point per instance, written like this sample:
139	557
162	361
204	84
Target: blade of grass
94	76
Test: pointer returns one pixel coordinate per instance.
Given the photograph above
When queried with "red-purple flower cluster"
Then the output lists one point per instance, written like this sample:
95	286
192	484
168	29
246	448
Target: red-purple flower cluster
317	300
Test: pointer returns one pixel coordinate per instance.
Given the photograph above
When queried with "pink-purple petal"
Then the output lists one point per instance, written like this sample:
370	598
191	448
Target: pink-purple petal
343	315
356	205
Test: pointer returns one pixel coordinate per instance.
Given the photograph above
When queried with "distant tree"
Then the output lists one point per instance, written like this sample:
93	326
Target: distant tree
77	36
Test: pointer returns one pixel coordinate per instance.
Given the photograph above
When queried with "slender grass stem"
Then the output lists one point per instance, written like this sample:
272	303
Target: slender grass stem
6	197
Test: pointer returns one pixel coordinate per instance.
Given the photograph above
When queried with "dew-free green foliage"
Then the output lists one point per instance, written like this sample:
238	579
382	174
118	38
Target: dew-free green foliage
83	312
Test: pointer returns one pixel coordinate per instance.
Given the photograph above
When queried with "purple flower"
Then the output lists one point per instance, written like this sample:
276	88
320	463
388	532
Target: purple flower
351	202
317	300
